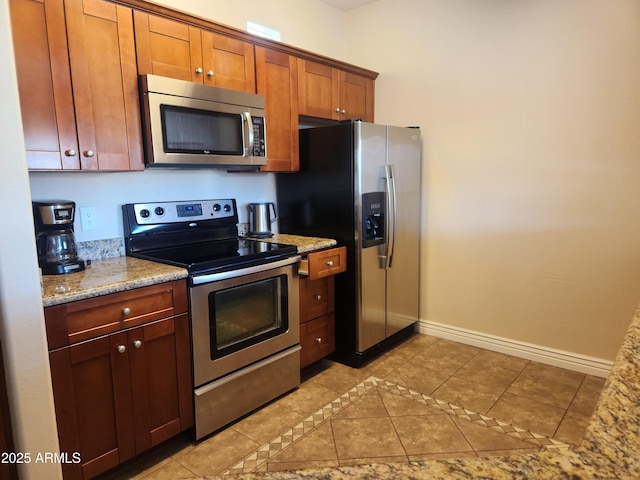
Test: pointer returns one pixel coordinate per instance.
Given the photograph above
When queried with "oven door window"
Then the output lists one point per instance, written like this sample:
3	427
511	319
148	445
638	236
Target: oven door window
247	314
190	130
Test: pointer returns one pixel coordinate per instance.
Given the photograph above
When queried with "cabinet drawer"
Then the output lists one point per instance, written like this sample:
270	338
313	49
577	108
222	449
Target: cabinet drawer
316	298
325	263
78	321
317	339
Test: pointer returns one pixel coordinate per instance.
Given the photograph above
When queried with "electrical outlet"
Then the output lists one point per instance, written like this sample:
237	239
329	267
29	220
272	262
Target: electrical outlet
243	229
88	218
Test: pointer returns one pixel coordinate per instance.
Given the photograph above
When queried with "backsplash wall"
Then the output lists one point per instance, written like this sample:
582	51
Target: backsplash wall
107	192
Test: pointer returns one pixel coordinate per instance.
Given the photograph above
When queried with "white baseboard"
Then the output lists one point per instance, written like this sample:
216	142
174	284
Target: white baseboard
549	356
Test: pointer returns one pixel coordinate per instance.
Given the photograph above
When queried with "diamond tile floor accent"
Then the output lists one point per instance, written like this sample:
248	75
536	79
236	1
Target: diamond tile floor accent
281	442
427	398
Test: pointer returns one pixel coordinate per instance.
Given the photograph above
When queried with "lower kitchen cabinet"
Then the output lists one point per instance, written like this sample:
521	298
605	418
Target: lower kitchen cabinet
122	393
317	303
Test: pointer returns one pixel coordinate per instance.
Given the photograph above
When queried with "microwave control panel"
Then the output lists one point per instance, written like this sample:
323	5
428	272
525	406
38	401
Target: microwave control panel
259	143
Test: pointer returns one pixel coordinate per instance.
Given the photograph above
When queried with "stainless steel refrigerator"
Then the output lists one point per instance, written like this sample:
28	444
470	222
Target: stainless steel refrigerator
360	184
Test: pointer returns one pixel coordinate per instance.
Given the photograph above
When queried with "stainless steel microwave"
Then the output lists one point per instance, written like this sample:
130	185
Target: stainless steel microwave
187	124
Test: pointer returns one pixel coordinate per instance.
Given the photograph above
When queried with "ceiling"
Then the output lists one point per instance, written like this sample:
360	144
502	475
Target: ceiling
348	4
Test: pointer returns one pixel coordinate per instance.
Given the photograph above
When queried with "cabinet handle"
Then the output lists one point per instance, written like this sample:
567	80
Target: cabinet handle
126	311
89	153
70	153
121	348
137	343
199	70
210	73
318	297
330	263
318	339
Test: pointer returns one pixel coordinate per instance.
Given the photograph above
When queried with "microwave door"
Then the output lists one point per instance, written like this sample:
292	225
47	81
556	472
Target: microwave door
189	132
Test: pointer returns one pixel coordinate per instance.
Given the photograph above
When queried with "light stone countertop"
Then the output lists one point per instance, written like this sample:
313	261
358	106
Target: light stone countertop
106	276
117	274
304	244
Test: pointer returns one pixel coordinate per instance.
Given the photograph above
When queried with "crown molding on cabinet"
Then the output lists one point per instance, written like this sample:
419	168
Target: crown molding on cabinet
205	23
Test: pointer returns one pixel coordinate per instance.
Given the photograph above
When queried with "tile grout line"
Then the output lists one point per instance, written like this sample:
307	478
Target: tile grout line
543	441
272	448
285	439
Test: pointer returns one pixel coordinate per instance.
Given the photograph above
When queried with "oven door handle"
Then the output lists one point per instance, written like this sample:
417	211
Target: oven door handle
214	277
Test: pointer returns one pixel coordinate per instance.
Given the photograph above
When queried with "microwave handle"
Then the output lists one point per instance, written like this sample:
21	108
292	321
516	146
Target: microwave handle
248	148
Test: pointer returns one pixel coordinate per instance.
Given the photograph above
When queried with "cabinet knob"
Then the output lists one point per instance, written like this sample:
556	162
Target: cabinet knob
330	263
137	343
318	339
70	153
210	73
318	297
126	311
89	153
199	70
343	111
337	110
121	348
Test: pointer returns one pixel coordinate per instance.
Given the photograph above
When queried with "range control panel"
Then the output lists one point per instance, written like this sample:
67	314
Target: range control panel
174	212
373	222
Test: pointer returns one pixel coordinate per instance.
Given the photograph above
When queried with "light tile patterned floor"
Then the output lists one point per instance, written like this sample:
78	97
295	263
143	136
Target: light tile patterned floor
427	398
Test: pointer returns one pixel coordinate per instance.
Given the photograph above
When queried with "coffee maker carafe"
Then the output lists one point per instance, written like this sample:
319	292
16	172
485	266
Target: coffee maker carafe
57	253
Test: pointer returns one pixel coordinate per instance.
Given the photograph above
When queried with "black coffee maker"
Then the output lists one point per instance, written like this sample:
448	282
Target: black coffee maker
56	243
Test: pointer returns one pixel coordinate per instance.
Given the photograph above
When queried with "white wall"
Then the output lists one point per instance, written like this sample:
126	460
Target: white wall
530	113
22	332
108	191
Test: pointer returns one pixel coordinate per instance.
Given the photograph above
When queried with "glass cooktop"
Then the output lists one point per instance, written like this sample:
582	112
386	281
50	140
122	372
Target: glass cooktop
220	255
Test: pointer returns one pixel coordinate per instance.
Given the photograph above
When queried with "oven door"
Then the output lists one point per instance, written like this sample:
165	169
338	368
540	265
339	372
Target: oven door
243	316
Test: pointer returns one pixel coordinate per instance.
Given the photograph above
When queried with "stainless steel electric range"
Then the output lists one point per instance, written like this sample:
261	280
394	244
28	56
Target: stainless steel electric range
243	303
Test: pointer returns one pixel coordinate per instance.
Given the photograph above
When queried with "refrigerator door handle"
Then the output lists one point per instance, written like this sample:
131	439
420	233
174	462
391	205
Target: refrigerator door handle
391	212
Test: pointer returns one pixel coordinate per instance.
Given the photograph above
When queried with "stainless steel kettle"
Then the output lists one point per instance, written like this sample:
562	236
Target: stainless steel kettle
260	219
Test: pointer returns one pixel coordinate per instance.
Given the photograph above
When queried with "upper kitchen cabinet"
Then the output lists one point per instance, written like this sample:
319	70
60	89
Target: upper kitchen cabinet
75	61
175	49
277	80
328	92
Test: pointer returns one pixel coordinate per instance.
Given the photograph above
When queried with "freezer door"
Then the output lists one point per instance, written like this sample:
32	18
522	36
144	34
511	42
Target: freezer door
370	157
404	164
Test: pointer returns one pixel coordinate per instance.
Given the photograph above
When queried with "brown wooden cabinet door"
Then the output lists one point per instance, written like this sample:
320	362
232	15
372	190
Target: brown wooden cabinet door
105	85
77	78
160	380
318	89
92	393
168	48
356	97
44	83
277	80
228	62
334	94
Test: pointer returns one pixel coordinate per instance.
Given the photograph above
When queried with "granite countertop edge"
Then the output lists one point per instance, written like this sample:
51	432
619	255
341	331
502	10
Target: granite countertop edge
119	274
104	277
